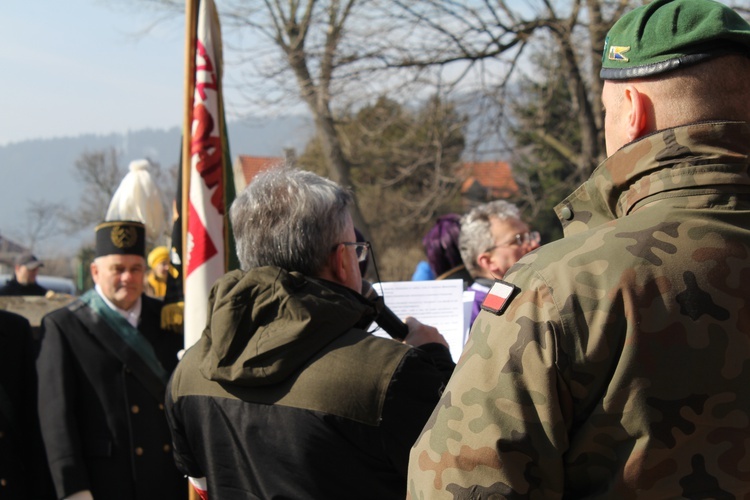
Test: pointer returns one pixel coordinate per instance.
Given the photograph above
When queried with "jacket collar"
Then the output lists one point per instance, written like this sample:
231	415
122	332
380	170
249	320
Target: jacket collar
707	156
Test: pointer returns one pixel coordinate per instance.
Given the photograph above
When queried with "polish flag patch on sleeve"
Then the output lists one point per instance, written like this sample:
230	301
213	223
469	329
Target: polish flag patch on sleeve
499	297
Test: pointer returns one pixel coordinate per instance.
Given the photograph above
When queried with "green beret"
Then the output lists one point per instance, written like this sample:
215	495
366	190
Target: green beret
667	34
120	237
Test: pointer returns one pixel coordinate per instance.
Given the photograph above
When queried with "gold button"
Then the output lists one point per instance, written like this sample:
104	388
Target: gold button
135	409
3	482
139	451
167	448
161	406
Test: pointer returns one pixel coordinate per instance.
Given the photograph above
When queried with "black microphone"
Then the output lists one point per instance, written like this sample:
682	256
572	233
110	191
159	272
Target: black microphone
386	319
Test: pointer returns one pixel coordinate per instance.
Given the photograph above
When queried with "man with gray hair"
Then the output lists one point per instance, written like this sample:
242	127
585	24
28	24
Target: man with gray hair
287	395
493	238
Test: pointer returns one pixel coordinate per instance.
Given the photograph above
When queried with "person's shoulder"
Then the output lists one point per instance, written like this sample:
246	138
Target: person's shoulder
575	263
570	252
379	350
422	272
15	334
187	372
405	357
8	287
151	312
456	273
151	303
64	313
552	269
11	321
151	307
382	343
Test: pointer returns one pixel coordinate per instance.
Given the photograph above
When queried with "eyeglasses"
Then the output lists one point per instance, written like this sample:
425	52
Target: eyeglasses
521	239
361	247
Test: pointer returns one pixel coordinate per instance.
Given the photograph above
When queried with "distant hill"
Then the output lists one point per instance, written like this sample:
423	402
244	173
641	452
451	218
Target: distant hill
43	169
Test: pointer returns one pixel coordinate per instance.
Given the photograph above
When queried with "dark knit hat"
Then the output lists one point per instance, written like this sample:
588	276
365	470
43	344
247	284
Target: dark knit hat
667	34
121	237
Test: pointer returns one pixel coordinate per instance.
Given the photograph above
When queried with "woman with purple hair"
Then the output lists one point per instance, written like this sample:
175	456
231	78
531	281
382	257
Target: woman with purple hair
441	246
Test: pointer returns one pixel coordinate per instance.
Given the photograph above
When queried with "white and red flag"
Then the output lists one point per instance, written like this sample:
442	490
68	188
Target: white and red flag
499	297
207	187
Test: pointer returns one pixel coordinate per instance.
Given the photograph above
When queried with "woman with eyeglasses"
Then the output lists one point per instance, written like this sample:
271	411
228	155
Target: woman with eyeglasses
493	238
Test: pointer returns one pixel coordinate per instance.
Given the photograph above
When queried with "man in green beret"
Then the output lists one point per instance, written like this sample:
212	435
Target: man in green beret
615	362
103	368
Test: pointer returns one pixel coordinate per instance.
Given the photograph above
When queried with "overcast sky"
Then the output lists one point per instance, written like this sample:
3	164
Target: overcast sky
78	66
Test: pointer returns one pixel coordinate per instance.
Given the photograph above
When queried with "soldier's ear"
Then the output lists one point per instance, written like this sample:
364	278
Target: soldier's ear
639	110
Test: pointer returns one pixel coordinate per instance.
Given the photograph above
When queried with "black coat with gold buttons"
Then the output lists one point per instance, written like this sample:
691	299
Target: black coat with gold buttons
102	409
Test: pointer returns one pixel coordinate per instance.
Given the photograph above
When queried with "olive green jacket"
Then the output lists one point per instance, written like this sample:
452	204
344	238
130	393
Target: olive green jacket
286	394
621	367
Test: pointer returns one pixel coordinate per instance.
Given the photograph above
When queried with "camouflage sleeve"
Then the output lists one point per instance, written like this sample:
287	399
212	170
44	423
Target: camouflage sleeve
500	429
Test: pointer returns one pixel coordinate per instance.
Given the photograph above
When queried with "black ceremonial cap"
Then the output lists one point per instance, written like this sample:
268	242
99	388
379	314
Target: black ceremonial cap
121	237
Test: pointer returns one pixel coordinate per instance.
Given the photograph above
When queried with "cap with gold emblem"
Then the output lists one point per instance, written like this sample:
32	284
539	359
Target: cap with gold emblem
122	237
664	35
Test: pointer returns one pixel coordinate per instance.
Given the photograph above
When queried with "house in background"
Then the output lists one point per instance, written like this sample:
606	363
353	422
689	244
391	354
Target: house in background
486	181
483	181
246	167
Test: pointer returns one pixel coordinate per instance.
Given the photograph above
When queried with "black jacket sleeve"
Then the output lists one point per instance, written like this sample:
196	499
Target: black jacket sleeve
414	391
183	456
57	411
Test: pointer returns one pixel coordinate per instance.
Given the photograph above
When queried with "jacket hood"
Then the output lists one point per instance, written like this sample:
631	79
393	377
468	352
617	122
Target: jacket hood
266	323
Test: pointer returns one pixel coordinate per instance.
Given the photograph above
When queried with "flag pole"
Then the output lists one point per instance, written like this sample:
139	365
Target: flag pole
191	28
191	22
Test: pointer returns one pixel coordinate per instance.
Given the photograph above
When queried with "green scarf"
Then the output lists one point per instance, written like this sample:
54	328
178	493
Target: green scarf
126	331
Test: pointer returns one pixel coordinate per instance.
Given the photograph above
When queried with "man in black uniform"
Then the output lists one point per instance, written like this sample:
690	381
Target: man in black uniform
103	367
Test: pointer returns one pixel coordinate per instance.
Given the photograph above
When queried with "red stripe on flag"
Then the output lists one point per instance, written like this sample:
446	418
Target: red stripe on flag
200	246
208	187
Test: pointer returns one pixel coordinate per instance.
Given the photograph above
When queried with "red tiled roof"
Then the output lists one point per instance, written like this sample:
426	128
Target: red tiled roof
250	166
492	175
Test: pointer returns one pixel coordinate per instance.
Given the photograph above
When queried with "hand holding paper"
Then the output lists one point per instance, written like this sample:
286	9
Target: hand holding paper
420	334
437	303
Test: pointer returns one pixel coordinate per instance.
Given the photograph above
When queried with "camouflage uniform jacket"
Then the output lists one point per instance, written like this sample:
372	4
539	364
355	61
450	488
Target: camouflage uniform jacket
621	368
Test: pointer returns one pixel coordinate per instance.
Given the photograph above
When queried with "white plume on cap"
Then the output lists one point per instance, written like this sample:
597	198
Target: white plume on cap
137	198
